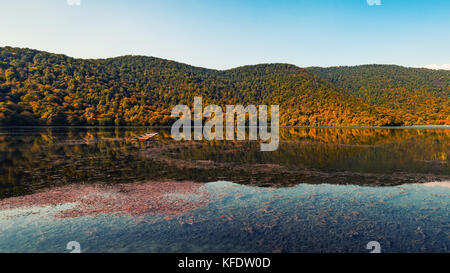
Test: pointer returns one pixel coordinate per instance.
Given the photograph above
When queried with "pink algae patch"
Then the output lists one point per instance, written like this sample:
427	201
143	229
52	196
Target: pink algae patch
137	199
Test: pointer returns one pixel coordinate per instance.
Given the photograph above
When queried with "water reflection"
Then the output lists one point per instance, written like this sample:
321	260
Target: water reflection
238	218
37	158
322	191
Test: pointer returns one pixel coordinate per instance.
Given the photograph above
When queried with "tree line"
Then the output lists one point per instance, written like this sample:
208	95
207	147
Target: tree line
40	88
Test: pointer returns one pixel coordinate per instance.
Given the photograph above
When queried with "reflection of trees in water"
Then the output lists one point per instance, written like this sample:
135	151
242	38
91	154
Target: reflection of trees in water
41	157
364	150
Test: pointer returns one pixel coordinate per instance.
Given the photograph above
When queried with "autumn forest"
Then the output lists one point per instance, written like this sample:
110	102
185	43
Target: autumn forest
40	88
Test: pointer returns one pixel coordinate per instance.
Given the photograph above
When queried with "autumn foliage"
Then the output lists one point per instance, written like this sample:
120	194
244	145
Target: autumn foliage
40	88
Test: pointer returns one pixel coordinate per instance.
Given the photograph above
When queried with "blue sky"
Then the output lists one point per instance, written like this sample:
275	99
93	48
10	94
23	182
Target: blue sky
223	34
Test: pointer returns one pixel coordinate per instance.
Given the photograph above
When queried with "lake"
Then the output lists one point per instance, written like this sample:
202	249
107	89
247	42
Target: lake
322	190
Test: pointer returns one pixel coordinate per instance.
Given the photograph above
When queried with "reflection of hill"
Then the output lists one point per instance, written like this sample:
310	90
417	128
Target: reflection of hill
331	148
395	157
355	136
37	158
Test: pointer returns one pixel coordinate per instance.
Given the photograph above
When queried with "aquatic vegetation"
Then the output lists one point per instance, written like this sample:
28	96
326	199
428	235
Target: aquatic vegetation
237	218
137	199
323	190
36	158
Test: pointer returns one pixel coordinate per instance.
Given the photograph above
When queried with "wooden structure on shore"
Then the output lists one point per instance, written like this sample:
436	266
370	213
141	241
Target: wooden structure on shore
144	137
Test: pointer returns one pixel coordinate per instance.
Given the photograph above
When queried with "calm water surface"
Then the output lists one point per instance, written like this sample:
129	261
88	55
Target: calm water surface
323	190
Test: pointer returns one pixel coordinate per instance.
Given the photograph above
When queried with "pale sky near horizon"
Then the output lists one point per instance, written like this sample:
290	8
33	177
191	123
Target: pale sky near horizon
224	34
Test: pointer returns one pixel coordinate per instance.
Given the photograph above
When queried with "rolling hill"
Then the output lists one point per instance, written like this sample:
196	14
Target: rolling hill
416	95
40	88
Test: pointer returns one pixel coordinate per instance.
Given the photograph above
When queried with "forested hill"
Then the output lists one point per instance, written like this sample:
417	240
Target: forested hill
42	88
417	95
